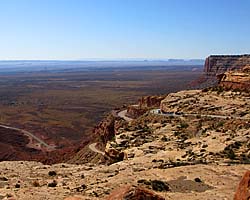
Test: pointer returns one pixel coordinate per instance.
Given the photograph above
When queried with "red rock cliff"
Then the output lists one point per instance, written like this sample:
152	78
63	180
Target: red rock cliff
218	64
243	191
239	79
150	101
105	129
144	104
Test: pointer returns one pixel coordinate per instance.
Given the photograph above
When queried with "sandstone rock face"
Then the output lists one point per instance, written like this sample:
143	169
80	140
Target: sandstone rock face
183	157
173	100
133	193
135	111
243	191
150	101
96	182
215	65
112	155
106	129
74	198
228	103
144	104
236	79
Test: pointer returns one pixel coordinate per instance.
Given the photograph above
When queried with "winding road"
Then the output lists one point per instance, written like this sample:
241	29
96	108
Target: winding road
122	114
158	112
93	148
30	135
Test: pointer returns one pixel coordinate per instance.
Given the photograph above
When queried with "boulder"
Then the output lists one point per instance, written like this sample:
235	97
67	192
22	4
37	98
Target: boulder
243	190
73	198
144	104
113	155
129	192
106	129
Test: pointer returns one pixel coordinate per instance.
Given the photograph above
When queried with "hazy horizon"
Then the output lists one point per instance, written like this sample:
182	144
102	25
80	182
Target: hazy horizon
108	59
87	65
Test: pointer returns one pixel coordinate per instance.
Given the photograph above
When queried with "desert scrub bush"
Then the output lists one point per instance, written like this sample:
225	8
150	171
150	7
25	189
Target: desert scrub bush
52	173
198	116
177	133
165	139
36	184
52	184
220	90
164	121
220	124
113	138
147	129
183	125
229	153
217	89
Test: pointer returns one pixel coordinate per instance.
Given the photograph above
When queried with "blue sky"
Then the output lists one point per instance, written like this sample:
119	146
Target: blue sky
114	29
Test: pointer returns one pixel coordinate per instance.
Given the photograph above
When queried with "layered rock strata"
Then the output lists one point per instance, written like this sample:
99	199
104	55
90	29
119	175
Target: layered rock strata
236	79
219	64
144	104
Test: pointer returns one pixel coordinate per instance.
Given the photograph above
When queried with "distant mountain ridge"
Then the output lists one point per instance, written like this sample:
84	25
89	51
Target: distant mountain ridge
51	65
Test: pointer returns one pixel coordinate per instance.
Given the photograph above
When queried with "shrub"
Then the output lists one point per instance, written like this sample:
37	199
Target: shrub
52	184
52	173
36	184
229	153
183	125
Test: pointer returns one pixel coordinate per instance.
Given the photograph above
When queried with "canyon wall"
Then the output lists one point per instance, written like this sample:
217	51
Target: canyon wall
150	101
144	104
236	79
218	64
135	111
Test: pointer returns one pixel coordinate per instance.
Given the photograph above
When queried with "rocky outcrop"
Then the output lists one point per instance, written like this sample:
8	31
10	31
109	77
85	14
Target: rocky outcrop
101	134
236	79
16	146
150	101
144	104
74	198
98	182
181	157
112	156
105	129
224	69
243	191
133	193
135	111
218	64
214	101
173	101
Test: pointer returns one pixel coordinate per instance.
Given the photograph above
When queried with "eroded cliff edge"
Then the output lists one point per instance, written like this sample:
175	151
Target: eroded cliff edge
219	64
236	80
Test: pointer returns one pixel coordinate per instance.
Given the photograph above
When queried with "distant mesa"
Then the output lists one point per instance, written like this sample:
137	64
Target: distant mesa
219	64
232	71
